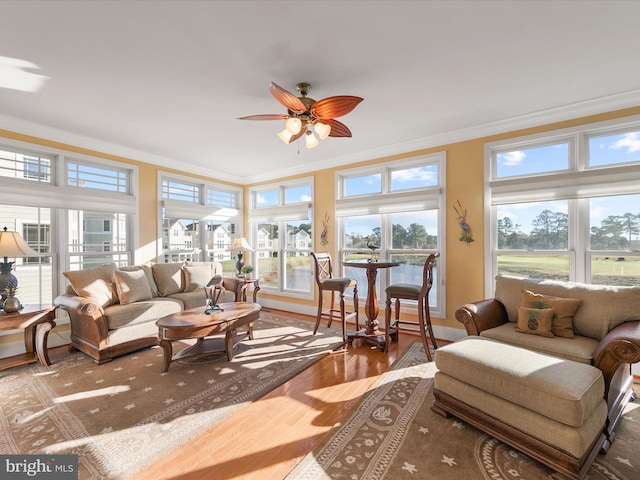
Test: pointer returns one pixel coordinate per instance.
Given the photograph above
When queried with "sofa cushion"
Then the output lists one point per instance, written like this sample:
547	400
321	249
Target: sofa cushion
562	390
119	316
197	298
96	283
168	278
132	286
603	307
579	349
196	276
564	309
146	268
536	321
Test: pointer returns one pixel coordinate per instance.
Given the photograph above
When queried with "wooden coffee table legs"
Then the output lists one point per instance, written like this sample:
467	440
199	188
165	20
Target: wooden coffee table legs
203	346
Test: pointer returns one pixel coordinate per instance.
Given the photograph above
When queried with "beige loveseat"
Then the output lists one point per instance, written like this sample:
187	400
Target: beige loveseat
112	311
590	324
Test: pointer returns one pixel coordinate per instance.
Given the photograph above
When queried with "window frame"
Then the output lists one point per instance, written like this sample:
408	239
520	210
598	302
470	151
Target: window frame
388	202
577	185
204	211
281	214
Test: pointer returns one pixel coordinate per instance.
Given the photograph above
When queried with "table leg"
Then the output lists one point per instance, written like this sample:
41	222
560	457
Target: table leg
42	335
228	342
168	353
371	305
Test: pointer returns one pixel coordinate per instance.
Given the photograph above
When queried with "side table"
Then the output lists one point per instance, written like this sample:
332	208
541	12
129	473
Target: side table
37	321
241	294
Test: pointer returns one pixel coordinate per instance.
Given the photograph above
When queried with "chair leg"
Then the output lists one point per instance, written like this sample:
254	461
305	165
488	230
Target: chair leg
387	322
331	308
319	316
343	317
427	317
423	331
355	307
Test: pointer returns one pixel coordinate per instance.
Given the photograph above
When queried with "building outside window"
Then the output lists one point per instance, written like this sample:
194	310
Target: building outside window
394	211
566	205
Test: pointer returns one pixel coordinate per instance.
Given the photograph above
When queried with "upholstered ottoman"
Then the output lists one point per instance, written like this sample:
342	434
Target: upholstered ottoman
548	408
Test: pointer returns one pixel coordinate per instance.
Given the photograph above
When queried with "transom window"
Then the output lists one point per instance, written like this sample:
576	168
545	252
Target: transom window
97	177
24	165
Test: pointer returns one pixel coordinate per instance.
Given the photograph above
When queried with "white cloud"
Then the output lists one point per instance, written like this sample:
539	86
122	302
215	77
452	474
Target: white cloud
414	174
514	158
630	141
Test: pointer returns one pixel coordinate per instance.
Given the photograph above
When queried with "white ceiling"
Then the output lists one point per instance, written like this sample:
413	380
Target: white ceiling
165	81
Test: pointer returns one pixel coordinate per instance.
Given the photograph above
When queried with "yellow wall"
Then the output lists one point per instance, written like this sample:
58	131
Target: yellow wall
465	182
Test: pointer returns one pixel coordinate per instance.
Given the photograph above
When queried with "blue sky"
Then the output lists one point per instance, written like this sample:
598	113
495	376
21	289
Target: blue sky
604	150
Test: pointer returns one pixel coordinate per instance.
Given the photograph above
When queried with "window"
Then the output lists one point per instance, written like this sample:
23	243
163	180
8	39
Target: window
17	163
281	234
60	202
90	245
199	221
395	207
566	205
97	177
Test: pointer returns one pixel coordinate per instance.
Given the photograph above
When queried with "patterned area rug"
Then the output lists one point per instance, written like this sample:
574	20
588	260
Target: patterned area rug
123	415
395	435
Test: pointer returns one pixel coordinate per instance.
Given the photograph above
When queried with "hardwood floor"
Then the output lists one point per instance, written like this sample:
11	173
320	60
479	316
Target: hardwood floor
267	438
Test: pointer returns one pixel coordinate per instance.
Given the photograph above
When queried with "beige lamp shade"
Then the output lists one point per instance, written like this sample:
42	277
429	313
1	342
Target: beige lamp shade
240	244
13	245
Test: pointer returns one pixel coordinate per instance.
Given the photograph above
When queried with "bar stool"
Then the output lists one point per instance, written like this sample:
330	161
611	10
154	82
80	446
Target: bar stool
327	282
409	291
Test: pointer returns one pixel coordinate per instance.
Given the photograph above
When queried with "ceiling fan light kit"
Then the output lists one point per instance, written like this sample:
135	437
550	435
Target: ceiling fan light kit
305	115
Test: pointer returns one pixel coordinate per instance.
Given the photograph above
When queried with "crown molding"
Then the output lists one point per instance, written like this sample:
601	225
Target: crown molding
535	119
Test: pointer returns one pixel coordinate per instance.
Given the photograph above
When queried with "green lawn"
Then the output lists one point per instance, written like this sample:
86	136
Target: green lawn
605	270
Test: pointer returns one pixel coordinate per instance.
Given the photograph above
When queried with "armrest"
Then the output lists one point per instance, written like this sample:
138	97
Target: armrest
234	284
620	346
482	315
86	317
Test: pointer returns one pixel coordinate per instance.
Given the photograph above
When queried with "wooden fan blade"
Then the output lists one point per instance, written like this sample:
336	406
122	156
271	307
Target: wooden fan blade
269	116
298	135
333	107
338	129
287	99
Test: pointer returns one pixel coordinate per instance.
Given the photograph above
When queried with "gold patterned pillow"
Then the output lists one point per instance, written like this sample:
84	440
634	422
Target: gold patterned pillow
564	310
536	321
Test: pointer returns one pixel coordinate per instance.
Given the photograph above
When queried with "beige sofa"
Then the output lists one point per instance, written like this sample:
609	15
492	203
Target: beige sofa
112	311
590	324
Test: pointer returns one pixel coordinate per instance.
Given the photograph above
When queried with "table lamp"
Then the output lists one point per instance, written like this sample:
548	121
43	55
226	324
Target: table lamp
11	245
240	245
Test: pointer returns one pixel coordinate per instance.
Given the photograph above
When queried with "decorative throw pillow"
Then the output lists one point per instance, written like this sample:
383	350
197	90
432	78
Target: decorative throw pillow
564	310
196	277
146	268
168	278
536	321
132	286
97	283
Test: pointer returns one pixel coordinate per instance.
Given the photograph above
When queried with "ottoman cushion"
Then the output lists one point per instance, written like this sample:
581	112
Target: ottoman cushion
559	389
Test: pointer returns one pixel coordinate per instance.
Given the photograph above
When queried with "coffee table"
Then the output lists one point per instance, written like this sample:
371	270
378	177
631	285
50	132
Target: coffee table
194	323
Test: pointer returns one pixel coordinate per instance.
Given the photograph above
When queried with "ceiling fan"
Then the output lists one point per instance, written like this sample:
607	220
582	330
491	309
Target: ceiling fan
305	115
